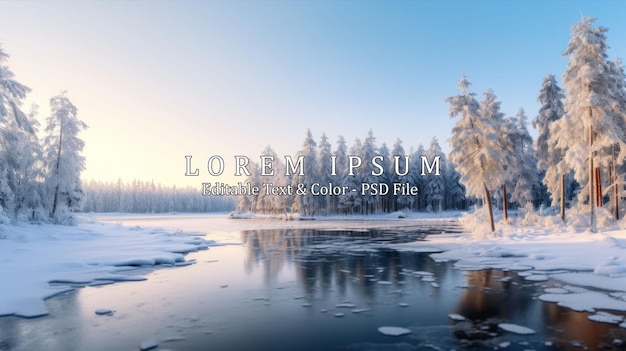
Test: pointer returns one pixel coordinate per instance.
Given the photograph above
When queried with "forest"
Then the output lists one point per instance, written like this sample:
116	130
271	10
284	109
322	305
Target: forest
576	162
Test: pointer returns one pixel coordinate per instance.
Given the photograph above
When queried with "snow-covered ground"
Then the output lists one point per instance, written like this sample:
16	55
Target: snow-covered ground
40	261
589	267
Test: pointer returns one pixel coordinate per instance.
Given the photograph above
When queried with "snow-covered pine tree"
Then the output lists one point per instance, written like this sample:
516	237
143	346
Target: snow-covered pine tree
618	114
475	147
384	201
435	184
547	153
305	203
416	178
13	124
588	132
490	110
401	202
525	174
325	203
352	201
368	151
341	168
25	175
63	159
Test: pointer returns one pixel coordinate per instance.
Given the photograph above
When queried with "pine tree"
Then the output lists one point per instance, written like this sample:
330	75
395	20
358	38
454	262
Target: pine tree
325	203
588	132
435	186
305	202
14	125
547	153
525	173
475	147
64	161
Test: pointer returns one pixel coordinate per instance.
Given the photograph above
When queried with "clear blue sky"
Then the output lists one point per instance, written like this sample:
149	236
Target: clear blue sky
158	80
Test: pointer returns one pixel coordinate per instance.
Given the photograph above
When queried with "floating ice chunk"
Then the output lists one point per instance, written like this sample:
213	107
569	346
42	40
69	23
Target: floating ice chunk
604	317
536	278
456	317
384	282
516	329
103	312
403	304
504	344
306	304
556	291
345	271
428	279
360	310
345	305
586	301
422	273
148	345
434	285
338	315
393	331
623	325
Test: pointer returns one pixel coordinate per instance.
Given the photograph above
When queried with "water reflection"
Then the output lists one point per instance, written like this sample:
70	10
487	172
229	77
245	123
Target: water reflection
269	294
341	264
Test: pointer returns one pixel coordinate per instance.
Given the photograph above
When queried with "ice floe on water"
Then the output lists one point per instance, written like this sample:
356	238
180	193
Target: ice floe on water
456	317
516	329
148	345
394	331
605	317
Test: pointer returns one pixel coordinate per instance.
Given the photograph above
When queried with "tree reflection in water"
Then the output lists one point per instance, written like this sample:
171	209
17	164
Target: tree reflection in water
341	264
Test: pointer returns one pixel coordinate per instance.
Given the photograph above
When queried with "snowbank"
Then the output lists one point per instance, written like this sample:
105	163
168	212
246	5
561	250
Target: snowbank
545	248
40	261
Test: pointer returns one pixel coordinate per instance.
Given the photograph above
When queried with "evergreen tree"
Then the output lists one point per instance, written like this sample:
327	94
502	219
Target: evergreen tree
547	152
435	186
64	161
475	147
306	202
588	132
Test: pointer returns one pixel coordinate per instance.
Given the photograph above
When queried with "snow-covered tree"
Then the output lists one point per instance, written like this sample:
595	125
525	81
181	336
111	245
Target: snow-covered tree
547	153
25	173
402	201
14	125
490	110
325	203
435	184
64	161
526	170
305	202
475	147
368	151
588	133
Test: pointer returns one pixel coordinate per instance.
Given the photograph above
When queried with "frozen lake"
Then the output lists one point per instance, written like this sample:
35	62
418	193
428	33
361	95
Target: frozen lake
308	285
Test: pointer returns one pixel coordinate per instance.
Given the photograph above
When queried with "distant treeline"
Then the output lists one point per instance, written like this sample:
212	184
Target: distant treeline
148	197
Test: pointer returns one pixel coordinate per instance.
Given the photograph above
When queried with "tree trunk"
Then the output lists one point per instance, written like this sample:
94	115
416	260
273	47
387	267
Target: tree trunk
505	207
598	188
56	172
615	191
592	202
563	197
488	198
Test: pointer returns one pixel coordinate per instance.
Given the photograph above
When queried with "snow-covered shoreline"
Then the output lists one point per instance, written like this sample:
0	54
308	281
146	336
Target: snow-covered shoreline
589	267
41	261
